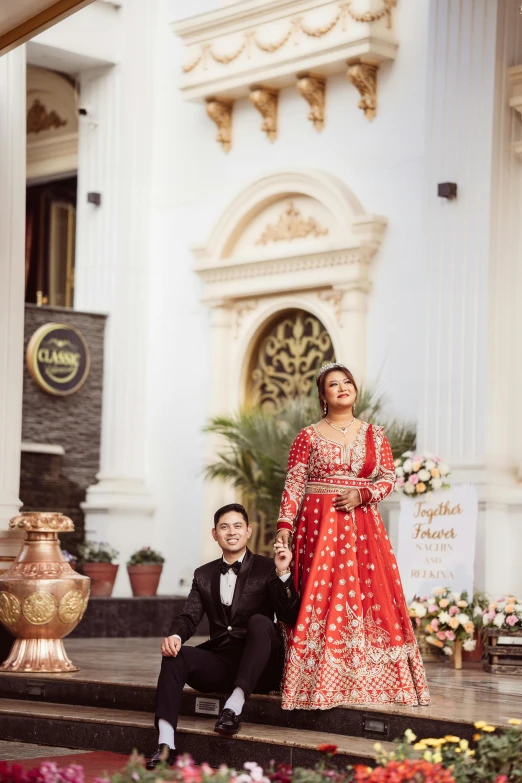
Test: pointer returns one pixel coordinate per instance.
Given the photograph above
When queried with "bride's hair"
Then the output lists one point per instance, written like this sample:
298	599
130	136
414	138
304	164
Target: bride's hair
321	377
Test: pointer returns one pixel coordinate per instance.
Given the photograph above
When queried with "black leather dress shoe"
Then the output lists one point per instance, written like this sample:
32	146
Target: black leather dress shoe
163	755
228	722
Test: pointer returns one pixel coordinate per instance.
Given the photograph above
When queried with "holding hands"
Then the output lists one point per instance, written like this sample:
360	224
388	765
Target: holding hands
283	555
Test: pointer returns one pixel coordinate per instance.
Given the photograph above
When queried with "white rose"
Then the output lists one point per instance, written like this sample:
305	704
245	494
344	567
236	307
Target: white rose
485	621
477	611
420	610
427	455
444	469
444	617
424	475
499	620
518	608
469	645
408	454
407	466
447	650
399	471
409	488
430	464
463	618
436	483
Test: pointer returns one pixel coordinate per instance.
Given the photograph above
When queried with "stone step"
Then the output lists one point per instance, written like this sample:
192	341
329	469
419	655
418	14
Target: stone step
375	722
121	731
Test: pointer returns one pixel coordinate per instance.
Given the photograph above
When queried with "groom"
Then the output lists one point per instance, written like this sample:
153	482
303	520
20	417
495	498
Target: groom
240	593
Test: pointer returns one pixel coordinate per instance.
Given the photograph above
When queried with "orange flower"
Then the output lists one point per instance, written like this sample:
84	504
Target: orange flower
420	487
469	627
509	608
435	472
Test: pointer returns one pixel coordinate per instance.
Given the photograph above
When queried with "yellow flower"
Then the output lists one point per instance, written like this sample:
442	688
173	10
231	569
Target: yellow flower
514	721
410	736
432	742
428	755
477	737
451	738
420	487
437	758
489	729
458	750
471	752
464	744
479	724
377	747
435	472
420	746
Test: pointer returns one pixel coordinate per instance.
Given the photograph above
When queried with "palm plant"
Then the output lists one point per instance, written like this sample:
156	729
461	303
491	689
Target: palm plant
256	443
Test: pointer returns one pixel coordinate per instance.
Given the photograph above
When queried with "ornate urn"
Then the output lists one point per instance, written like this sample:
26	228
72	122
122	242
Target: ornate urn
41	598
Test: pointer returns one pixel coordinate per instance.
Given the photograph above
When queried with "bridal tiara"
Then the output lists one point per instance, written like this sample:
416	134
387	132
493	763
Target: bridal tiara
330	366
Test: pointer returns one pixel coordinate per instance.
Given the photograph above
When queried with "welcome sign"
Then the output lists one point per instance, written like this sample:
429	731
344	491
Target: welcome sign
436	541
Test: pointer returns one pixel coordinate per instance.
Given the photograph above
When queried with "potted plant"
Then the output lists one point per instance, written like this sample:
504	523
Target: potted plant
96	560
144	568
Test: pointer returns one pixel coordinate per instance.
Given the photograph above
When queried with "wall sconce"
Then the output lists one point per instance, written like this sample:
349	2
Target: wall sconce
447	190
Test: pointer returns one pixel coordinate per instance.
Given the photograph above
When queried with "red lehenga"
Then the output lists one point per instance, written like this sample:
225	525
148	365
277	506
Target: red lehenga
353	642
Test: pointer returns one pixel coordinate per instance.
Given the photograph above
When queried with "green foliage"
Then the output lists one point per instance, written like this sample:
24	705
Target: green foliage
253	454
97	552
146	556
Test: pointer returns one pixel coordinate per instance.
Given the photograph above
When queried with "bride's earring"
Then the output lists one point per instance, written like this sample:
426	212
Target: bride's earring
325	408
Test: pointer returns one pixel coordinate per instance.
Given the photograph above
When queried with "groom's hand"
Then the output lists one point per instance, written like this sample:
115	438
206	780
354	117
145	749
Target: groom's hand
283	556
171	646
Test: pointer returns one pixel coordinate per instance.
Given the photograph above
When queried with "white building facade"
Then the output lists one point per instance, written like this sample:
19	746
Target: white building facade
335	123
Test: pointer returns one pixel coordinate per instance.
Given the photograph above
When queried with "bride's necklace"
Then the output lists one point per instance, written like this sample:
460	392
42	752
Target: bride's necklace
342	430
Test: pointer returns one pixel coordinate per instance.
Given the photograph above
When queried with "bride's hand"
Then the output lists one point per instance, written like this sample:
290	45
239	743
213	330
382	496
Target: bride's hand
282	537
347	501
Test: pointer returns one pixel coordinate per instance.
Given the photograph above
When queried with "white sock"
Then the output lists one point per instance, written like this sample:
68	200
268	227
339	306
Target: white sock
166	733
236	701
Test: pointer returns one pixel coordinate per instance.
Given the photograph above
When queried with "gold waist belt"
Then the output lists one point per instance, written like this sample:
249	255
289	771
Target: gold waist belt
335	484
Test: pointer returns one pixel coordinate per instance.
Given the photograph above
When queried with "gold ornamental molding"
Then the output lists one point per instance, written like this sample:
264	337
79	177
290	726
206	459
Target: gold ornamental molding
266	102
220	112
363	76
271	42
40	119
291	225
313	90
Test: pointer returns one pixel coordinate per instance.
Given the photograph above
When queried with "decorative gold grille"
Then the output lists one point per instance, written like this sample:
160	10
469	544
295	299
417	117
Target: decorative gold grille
286	358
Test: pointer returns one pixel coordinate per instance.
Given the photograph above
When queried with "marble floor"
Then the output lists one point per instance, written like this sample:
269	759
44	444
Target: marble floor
462	696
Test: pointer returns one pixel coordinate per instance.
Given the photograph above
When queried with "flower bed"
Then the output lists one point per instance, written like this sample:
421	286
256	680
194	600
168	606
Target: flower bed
494	756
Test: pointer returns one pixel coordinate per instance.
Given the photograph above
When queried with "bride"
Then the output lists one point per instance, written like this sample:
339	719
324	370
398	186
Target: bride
353	642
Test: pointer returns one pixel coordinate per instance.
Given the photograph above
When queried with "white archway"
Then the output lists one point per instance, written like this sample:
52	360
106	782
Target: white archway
291	239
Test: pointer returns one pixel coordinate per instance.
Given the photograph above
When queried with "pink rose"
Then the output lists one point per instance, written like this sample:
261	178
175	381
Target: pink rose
512	619
418	458
450	635
437	459
414	479
417	621
434	624
432	608
453	610
441	635
492	614
400	481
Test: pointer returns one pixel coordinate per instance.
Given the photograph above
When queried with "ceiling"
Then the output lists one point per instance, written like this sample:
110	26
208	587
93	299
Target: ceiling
21	20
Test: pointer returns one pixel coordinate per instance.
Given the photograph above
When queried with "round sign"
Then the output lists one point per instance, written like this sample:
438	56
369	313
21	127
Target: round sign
58	359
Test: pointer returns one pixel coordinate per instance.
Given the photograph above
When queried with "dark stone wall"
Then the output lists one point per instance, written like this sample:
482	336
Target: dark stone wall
53	482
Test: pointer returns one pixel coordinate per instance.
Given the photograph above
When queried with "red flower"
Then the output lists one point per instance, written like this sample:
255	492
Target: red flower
325	748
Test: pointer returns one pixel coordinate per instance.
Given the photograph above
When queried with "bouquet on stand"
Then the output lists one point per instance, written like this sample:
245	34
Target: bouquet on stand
420	474
504	614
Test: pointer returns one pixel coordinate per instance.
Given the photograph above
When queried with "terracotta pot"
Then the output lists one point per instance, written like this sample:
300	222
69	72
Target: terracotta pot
476	654
103	576
144	579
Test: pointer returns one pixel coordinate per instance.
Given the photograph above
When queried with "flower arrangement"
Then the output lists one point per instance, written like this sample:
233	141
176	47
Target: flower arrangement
448	617
72	559
420	474
504	614
146	556
97	552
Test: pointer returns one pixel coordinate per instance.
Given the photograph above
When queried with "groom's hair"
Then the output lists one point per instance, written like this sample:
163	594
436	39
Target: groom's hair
230	507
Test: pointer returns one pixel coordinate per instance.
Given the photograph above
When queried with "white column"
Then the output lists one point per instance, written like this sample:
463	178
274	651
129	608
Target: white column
115	159
473	270
353	308
217	494
12	266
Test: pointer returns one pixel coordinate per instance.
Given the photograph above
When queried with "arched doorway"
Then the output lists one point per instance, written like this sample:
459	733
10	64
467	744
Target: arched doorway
285	357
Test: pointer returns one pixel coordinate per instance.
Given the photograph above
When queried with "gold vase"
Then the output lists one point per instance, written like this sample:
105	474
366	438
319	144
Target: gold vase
41	598
456	657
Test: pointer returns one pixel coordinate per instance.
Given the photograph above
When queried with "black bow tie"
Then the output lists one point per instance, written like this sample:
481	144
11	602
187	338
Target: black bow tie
225	567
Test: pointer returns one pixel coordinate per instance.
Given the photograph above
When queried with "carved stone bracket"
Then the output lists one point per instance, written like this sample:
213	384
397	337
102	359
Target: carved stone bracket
313	90
266	101
335	299
363	76
220	112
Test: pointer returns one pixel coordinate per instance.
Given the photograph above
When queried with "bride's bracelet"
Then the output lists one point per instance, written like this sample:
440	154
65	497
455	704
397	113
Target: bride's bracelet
283	573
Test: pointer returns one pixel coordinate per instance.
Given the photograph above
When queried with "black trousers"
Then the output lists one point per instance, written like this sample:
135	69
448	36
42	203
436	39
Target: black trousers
255	664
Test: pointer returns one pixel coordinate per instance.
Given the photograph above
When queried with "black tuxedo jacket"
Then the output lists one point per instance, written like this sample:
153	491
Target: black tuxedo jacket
258	590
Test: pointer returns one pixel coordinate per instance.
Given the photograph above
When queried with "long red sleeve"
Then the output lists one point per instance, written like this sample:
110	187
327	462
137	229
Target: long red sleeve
385	480
295	483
